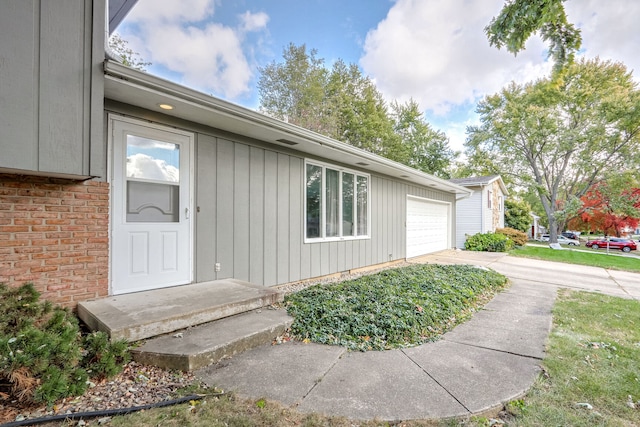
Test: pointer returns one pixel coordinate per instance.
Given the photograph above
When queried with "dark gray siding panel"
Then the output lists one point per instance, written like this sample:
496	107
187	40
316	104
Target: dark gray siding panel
270	218
49	59
295	218
62	87
284	191
225	241
19	32
206	215
241	209
256	215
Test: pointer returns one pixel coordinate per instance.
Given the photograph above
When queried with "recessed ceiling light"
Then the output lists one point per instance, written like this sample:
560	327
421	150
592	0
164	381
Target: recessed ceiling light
166	106
362	164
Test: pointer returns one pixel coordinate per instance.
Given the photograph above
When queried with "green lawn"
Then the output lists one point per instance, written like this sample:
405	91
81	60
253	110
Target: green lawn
594	258
591	368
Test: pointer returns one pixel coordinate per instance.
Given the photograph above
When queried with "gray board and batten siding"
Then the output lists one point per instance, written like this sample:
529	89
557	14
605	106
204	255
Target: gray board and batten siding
249	199
52	86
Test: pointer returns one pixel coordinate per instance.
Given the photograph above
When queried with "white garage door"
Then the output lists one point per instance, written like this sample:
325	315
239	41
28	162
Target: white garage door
428	226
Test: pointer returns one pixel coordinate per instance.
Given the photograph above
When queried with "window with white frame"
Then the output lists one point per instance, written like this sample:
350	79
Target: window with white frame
489	198
336	203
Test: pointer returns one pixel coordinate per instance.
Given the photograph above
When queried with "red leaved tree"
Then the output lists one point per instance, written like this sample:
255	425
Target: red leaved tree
608	207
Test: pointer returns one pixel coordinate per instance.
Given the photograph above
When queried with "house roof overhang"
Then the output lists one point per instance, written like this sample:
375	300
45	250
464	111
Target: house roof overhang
137	88
481	181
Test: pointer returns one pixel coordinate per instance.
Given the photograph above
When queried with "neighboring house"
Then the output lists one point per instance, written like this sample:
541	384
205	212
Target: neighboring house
483	211
114	181
536	229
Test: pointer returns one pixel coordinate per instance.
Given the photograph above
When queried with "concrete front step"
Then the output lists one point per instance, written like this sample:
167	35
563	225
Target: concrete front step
206	344
147	314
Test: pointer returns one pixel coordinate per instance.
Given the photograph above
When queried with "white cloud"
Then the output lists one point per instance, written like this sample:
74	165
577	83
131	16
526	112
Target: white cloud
609	30
437	53
253	21
182	38
143	166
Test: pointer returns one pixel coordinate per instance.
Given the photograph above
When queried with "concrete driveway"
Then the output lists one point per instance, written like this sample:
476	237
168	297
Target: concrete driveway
547	273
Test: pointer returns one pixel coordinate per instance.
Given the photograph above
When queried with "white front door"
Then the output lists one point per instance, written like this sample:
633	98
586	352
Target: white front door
151	206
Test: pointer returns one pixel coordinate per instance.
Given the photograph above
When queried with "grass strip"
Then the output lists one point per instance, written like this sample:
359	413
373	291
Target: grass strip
592	376
391	309
612	261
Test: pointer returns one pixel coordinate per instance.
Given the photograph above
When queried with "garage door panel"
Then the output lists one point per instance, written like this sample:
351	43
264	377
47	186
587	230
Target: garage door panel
428	226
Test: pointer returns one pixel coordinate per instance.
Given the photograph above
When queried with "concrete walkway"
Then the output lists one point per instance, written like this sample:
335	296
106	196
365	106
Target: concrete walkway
489	360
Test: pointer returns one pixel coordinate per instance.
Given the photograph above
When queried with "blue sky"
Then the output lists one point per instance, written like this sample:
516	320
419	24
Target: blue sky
433	51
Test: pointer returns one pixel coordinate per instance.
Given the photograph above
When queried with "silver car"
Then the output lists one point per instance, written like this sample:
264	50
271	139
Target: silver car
562	240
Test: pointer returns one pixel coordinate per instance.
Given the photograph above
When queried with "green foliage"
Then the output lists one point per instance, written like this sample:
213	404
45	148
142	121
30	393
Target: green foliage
42	353
517	214
520	19
129	58
516	236
345	105
488	242
394	308
559	136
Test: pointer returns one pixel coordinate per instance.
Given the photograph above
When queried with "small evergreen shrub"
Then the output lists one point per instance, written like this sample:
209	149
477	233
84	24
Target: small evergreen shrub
518	237
488	242
43	355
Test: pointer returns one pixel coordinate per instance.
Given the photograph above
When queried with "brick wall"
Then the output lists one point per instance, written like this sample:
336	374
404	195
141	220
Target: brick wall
55	234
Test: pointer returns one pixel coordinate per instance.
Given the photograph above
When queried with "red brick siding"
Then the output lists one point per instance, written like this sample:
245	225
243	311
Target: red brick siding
55	234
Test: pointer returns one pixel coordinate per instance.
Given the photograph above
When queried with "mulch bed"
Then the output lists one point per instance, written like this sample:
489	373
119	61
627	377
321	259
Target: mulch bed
136	385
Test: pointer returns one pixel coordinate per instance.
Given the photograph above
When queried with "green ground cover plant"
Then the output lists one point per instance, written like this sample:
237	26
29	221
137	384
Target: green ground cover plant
596	259
43	355
391	309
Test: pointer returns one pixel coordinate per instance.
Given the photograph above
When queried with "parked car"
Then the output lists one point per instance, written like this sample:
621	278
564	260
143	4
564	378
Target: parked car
562	240
625	245
570	235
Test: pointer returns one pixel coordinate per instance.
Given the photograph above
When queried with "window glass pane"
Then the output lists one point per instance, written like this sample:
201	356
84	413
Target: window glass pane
314	198
152	202
347	204
363	189
332	202
153	160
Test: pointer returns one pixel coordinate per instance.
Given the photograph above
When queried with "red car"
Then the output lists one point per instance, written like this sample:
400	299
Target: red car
625	245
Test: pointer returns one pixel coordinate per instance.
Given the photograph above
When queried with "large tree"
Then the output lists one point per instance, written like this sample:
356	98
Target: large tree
562	135
421	146
293	90
344	104
520	19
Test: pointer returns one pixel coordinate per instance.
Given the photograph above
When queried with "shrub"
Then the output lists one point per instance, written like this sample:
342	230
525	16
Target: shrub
518	237
43	355
489	242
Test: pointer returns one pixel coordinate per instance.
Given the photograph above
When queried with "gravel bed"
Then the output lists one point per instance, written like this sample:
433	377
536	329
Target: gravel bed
136	385
291	288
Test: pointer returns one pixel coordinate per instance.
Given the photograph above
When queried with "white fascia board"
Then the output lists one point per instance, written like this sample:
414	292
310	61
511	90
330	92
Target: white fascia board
146	91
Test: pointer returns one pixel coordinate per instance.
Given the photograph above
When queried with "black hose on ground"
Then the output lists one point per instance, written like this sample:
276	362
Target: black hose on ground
106	412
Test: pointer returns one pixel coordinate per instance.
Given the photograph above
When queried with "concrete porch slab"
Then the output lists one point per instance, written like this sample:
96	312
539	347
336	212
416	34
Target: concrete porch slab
151	313
203	345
